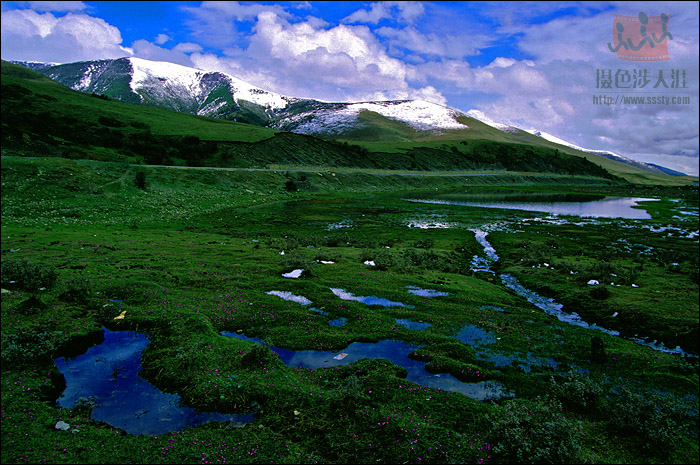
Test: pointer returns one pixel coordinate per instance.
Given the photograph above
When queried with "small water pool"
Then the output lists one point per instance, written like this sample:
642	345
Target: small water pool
394	351
108	375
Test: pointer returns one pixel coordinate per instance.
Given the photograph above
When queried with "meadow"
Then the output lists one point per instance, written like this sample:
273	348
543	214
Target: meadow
186	256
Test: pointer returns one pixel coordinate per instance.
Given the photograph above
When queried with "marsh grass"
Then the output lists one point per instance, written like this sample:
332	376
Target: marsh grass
206	251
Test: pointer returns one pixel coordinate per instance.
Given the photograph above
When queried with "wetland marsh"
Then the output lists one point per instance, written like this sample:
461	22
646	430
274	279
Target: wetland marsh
444	361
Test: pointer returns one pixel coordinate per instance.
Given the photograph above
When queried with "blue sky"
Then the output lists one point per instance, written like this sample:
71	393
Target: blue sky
528	64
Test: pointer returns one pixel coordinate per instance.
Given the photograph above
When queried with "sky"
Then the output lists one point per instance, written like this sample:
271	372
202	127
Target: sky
549	66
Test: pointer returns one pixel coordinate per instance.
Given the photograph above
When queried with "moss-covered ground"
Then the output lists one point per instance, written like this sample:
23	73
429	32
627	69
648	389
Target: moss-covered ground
195	252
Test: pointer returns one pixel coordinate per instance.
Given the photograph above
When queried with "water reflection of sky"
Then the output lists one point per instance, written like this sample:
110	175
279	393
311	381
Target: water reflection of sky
393	351
371	300
291	297
109	373
426	292
617	207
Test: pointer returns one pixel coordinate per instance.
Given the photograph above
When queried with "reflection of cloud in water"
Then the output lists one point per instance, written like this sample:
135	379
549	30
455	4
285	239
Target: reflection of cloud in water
622	207
293	274
291	297
426	292
366	300
397	353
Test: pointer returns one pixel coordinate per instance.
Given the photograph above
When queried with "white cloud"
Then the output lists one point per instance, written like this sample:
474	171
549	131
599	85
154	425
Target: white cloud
188	47
404	12
58	6
28	35
213	23
439	45
162	38
180	54
309	59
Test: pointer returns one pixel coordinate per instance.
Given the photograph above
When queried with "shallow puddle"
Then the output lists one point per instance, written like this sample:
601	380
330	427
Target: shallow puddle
293	274
393	351
343	294
291	297
415	325
107	377
338	322
426	292
475	336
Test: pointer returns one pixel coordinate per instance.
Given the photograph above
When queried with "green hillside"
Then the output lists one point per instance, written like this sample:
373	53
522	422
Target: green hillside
41	117
382	135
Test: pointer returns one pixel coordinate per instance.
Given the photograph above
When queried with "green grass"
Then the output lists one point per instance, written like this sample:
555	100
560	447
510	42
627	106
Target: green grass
195	252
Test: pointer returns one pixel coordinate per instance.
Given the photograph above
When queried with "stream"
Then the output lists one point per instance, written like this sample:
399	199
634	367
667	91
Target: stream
548	305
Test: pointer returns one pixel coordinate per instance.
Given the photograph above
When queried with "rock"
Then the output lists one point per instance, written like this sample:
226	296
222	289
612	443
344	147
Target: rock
62	425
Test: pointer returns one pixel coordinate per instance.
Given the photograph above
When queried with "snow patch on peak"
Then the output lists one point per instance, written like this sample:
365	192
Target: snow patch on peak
190	79
144	71
338	117
555	139
417	113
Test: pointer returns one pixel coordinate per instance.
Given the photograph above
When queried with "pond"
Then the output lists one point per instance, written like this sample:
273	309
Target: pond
106	377
393	351
556	204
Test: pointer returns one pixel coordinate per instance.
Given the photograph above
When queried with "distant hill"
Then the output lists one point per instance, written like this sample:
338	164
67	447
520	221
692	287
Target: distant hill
40	115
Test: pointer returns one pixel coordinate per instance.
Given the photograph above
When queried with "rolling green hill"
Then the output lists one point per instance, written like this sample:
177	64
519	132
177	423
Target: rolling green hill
41	117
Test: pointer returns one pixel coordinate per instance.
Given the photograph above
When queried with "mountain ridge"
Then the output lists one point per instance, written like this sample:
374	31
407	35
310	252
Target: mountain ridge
222	96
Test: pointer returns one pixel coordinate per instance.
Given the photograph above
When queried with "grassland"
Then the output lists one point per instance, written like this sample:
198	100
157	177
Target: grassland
96	235
194	251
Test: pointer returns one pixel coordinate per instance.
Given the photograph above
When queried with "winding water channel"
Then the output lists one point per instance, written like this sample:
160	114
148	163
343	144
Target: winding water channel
548	305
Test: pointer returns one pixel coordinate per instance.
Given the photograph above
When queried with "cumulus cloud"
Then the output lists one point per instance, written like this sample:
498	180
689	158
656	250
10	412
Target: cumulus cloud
310	59
28	35
213	23
433	44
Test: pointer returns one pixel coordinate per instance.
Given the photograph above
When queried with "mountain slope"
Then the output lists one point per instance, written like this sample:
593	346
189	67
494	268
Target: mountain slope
393	134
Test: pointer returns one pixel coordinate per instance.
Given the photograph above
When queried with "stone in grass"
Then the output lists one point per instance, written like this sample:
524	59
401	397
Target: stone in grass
62	425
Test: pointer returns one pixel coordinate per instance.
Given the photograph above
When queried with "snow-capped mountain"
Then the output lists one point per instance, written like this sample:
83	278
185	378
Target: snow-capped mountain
221	95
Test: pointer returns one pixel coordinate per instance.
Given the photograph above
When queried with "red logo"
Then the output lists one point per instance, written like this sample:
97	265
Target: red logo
641	38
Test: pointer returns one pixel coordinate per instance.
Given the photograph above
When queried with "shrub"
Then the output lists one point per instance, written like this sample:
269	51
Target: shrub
655	420
527	431
577	392
76	290
28	346
28	276
140	179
